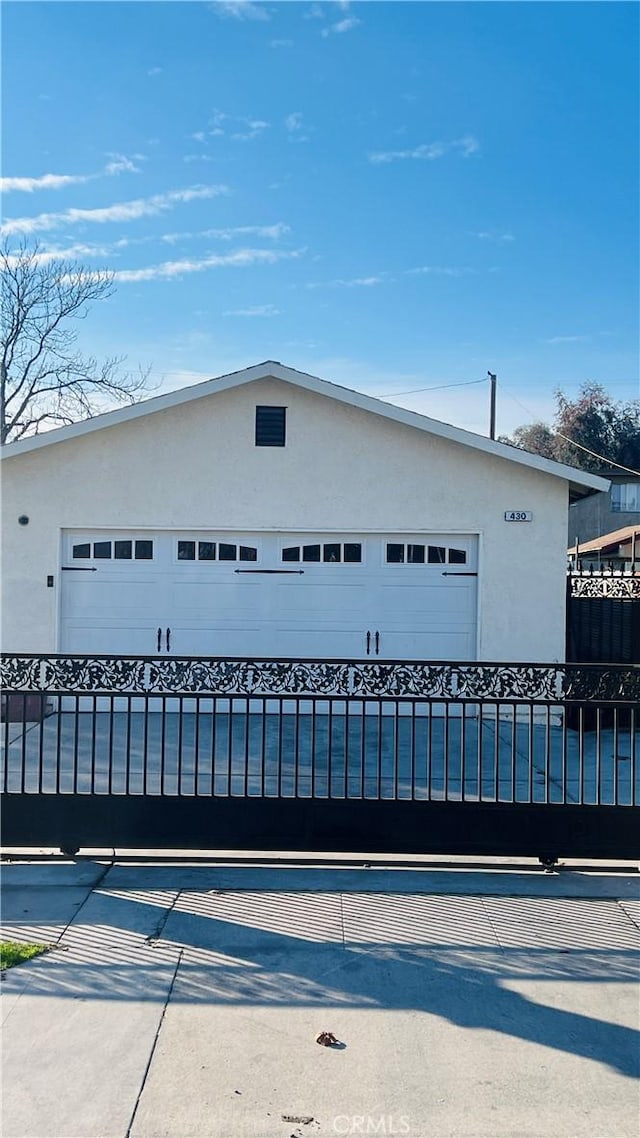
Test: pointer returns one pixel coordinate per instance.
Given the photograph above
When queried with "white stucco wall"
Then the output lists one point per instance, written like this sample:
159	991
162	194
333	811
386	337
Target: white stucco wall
343	469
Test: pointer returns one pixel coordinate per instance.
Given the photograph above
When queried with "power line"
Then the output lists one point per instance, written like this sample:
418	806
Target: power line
593	453
440	387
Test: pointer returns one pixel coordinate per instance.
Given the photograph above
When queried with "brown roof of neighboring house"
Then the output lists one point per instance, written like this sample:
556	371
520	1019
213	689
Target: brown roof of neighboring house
608	542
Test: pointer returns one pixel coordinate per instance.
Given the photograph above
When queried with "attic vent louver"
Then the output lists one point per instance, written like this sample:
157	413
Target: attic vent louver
271	426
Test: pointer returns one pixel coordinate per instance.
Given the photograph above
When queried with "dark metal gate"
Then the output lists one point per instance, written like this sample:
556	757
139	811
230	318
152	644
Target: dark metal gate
337	755
603	615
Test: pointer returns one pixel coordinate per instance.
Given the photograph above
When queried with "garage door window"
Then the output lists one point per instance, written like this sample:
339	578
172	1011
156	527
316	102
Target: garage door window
125	550
409	553
215	551
331	552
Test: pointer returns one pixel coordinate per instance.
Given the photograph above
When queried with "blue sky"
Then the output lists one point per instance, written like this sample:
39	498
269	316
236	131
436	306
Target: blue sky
389	195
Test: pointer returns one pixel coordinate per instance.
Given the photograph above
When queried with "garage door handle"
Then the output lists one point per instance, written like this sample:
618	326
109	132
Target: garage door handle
377	643
368	643
168	640
159	640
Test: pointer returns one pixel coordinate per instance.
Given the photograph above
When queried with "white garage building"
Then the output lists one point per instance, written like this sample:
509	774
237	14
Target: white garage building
271	513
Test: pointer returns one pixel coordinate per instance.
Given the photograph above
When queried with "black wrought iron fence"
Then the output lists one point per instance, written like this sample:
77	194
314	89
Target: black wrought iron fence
317	747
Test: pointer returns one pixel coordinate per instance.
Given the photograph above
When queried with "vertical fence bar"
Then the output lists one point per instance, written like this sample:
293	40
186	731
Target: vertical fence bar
634	770
7	712
127	746
296	752
245	771
496	755
547	754
346	749
513	796
145	747
263	741
430	750
615	755
480	752
92	776
598	770
23	748
330	750
379	753
76	728
230	747
110	748
163	741
279	773
196	744
58	744
363	747
412	752
313	748
531	749
214	727
40	743
180	743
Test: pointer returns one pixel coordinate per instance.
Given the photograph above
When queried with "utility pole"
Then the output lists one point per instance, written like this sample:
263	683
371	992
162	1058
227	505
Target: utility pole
492	413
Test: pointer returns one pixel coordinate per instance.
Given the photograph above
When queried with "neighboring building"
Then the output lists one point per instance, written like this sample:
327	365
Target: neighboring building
272	514
620	549
608	511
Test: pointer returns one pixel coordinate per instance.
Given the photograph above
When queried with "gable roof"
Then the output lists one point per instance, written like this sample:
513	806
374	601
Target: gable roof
581	483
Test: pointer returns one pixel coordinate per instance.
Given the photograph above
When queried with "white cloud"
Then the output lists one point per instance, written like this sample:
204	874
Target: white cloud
440	270
566	339
241	128
118	164
257	310
241	258
341	26
275	232
44	182
355	282
295	127
240	10
281	43
154	71
255	127
492	235
465	146
122	211
293	121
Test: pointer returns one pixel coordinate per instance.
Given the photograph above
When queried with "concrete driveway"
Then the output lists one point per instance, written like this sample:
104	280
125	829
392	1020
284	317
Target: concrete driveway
183	1000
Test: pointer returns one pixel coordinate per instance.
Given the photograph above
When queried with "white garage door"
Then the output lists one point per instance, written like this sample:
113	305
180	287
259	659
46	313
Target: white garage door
327	596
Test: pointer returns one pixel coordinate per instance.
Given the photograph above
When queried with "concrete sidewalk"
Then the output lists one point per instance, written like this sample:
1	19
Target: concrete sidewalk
182	1000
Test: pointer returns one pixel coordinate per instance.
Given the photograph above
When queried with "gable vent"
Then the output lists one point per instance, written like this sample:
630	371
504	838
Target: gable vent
271	426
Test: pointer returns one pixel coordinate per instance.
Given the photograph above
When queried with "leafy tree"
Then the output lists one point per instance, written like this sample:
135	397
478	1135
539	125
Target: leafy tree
44	380
595	421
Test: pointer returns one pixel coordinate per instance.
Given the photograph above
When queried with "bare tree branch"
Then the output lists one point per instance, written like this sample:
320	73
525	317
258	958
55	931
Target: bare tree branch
44	380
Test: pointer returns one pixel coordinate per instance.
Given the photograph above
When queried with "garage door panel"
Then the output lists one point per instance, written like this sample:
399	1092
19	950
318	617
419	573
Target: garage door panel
118	597
313	601
216	596
97	637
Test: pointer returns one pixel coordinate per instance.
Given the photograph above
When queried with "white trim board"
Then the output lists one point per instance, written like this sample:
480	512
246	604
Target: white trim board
581	483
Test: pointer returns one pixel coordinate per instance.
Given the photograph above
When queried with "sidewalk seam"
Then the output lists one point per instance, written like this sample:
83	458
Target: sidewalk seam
154	1045
491	924
626	914
90	891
